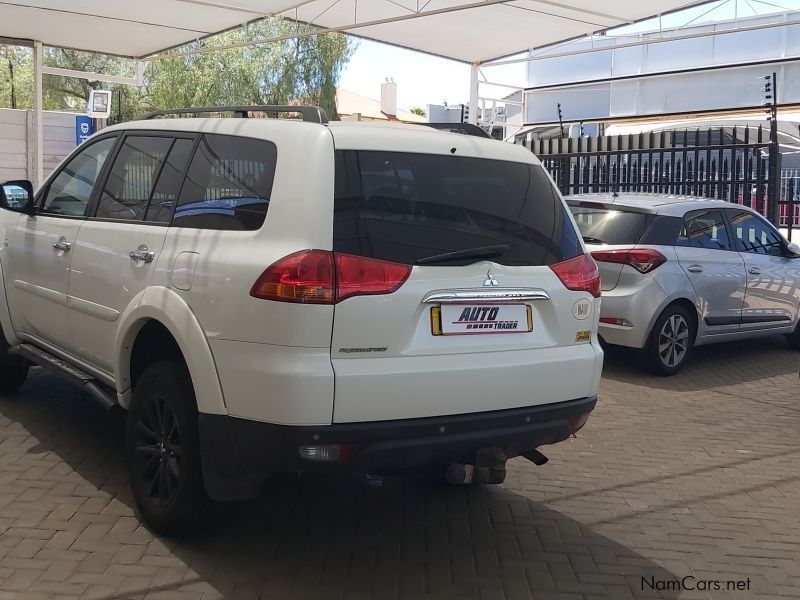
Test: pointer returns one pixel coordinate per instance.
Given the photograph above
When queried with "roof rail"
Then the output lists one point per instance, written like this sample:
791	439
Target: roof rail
462	128
311	114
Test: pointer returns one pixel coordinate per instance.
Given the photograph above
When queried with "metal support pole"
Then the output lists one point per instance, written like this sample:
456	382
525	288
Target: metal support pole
37	137
774	184
473	94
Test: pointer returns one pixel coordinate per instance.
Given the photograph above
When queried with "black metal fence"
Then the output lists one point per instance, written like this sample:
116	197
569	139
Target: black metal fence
728	163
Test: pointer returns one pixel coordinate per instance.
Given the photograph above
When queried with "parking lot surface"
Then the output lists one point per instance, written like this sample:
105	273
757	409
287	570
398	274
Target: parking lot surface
673	482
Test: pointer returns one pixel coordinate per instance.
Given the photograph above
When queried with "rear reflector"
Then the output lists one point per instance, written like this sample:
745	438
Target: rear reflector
579	274
616	321
575	423
324	277
643	260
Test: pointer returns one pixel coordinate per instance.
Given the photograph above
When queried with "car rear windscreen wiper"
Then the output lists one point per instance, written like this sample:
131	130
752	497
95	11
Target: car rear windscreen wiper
591	240
480	253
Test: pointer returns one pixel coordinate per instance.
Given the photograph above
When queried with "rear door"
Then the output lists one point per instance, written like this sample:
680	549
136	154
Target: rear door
773	279
117	246
715	269
488	332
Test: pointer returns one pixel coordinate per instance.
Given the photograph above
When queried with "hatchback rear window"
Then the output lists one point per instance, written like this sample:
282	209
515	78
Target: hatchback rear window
404	207
610	226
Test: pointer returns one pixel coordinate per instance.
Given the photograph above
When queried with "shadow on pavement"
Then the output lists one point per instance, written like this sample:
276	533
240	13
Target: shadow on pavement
324	537
730	363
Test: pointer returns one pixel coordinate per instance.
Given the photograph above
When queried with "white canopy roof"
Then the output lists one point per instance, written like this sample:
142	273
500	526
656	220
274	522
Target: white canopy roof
469	31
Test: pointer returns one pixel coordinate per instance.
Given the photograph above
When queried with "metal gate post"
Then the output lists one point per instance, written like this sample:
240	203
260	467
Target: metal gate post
774	173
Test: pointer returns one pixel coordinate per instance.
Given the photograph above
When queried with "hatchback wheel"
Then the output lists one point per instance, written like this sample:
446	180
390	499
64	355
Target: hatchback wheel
163	449
670	342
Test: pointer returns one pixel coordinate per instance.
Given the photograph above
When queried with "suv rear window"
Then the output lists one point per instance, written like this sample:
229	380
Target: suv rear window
403	207
610	226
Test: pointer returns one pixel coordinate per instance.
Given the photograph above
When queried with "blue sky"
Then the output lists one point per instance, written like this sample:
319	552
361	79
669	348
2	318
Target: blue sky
423	79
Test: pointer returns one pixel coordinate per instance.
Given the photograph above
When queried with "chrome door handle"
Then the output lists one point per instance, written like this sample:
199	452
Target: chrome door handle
695	269
142	254
63	245
754	271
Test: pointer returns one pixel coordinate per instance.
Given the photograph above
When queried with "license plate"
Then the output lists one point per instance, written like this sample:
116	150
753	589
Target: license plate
476	319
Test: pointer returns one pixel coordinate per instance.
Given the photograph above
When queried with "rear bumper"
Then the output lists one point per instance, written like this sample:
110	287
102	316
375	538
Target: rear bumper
238	454
638	304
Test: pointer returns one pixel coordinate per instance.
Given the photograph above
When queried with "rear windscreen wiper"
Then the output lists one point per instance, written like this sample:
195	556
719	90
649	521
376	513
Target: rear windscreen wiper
591	240
480	253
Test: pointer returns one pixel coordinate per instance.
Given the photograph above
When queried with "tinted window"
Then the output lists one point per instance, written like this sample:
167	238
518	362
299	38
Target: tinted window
610	226
704	229
163	198
132	177
402	207
755	235
69	192
228	185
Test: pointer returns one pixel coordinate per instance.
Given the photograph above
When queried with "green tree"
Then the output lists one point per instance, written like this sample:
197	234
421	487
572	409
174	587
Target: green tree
418	111
16	77
305	69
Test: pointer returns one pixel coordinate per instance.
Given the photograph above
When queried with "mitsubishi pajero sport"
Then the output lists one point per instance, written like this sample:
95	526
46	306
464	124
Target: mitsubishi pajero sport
268	295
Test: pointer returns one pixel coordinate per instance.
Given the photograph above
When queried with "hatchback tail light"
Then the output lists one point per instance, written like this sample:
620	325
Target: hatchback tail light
323	277
579	274
643	260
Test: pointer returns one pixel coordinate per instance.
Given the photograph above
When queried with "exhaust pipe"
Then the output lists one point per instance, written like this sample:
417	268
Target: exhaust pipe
535	457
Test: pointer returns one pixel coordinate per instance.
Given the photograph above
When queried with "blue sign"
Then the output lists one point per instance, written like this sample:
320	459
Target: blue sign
84	127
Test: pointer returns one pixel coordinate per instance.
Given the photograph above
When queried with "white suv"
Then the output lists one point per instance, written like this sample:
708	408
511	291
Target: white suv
270	295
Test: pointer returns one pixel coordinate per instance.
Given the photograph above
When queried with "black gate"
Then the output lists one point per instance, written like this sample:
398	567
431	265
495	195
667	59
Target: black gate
728	163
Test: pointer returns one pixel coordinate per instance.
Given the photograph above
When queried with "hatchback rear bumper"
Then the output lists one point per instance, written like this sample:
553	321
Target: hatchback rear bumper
238	454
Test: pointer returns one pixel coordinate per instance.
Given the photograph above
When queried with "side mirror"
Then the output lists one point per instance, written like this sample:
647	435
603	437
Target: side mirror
17	196
793	249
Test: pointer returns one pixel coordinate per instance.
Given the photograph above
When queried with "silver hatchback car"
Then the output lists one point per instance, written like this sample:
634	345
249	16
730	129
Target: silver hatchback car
679	271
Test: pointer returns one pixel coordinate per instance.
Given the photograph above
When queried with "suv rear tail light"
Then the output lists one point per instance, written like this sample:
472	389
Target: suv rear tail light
579	274
643	260
324	277
359	276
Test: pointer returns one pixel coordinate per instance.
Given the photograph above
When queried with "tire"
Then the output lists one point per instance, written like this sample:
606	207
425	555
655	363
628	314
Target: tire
163	450
13	369
670	342
793	339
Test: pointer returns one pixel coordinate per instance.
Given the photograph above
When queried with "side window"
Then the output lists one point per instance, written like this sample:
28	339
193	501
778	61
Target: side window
704	229
70	190
165	194
755	235
132	177
228	185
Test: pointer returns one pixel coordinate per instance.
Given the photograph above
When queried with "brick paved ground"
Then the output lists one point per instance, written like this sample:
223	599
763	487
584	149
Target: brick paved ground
694	475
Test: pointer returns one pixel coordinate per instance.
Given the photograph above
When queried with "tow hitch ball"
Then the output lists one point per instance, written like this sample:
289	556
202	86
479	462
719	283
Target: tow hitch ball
489	467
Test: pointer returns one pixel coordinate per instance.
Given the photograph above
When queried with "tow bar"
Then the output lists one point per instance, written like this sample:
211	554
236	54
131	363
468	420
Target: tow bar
489	467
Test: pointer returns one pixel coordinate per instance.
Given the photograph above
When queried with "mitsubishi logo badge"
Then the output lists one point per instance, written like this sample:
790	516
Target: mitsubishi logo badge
490	280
